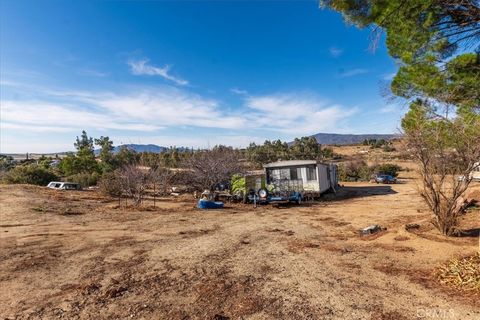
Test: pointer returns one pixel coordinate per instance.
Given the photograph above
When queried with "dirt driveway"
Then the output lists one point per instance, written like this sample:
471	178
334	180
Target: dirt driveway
76	255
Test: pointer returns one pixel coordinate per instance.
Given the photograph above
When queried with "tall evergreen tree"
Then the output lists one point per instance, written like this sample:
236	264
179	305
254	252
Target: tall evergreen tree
436	43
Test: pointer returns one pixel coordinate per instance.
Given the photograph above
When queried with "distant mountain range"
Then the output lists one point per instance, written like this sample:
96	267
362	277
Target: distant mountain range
322	138
140	148
343	139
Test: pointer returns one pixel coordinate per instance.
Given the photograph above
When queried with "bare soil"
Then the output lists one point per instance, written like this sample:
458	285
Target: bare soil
77	255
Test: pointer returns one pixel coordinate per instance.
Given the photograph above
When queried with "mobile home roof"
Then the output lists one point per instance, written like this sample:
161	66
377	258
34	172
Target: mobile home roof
291	163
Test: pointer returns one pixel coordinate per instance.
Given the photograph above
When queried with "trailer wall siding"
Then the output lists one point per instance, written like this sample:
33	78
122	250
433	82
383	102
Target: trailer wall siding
323	177
333	175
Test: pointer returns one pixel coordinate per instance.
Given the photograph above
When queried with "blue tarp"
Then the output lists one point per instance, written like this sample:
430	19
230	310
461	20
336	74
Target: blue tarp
205	204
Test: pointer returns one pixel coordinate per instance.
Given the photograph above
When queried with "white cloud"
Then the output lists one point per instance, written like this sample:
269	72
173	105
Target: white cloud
151	110
140	109
141	67
37	116
335	52
388	109
93	73
352	72
297	114
238	91
169	107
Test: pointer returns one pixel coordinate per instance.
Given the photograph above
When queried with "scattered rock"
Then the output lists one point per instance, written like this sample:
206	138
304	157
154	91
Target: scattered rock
371	229
411	226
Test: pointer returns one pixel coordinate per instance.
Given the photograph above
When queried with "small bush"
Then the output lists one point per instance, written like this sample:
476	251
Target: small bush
85	179
110	184
328	153
389	168
238	183
356	170
30	174
388	148
134	182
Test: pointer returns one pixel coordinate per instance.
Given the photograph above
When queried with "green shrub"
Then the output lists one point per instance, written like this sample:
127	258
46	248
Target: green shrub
356	170
388	148
389	168
85	179
238	183
328	153
30	174
6	162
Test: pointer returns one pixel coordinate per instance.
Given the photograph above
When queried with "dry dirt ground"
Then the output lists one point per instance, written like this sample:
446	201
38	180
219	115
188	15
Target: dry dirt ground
76	255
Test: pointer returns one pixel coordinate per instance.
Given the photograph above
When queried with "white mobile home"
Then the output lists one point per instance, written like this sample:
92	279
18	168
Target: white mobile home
302	175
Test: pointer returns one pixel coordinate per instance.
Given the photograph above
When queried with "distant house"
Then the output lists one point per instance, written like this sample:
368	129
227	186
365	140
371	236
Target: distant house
302	175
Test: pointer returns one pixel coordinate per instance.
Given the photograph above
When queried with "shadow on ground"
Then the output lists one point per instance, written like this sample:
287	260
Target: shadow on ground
351	192
473	233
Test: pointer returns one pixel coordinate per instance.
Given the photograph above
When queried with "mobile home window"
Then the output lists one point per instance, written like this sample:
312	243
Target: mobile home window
311	173
295	174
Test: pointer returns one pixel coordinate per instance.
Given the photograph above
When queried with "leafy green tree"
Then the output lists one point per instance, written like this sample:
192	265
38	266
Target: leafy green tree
6	162
389	168
126	156
439	76
44	161
431	39
306	148
84	159
106	153
84	142
355	170
85	154
270	151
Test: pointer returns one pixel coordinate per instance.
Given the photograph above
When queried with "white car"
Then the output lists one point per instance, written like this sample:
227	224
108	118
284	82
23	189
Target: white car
58	185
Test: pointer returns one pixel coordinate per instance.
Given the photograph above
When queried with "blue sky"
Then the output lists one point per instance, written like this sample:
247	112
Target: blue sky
188	73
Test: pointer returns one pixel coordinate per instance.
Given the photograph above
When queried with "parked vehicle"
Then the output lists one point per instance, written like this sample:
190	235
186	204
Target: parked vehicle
385	178
58	185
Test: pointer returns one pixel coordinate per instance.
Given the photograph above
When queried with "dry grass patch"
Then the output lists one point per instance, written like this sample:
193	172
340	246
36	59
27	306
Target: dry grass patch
297	245
461	273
